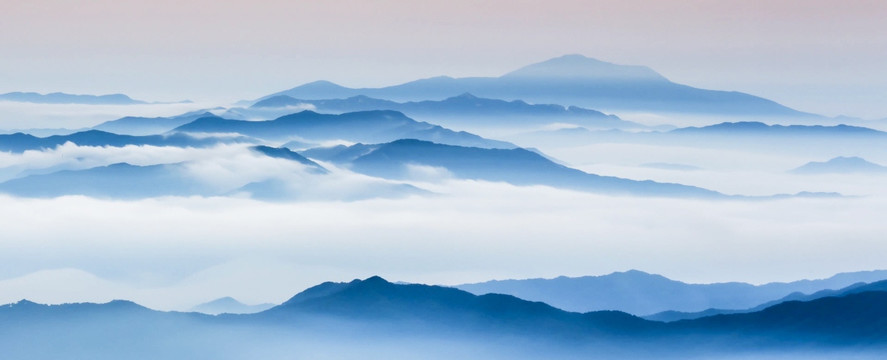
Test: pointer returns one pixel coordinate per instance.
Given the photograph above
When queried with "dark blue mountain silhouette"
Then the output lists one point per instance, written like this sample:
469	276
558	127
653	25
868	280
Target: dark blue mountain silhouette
857	319
363	126
640	293
375	299
795	296
374	317
134	125
515	166
570	79
841	165
62	98
20	142
464	110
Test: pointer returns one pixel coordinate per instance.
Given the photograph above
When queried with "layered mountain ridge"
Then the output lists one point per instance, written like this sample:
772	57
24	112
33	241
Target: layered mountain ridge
573	80
374	316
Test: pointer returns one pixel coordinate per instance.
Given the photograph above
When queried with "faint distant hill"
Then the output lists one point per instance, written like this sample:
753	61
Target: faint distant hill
63	98
640	293
228	305
747	136
570	79
363	126
134	125
396	160
841	165
746	128
465	110
795	296
120	181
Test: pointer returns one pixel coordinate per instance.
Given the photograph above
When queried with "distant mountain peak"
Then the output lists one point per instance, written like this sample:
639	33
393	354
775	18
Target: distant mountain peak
375	279
322	83
841	164
464	96
22	302
848	159
575	66
319	86
65	98
229	305
570	79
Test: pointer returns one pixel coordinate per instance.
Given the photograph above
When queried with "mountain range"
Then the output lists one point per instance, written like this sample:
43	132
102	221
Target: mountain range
398	156
640	293
127	181
746	136
378	319
572	80
749	128
63	98
860	287
135	125
396	160
20	142
462	111
362	126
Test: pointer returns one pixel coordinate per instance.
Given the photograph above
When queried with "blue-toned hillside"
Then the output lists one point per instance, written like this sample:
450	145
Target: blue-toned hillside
363	126
515	166
571	79
20	142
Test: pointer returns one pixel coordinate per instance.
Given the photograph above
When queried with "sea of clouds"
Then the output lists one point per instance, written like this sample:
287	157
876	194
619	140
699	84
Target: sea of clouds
176	252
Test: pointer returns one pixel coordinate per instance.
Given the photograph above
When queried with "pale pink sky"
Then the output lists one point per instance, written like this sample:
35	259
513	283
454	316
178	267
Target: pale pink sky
821	56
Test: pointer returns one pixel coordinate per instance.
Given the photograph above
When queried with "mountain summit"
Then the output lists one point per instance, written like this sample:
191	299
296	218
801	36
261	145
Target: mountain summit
569	80
841	165
577	66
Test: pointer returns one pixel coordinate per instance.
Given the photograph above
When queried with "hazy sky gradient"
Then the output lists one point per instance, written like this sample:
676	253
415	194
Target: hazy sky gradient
820	56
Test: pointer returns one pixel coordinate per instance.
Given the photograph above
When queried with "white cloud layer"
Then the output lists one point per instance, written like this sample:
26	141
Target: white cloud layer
173	253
